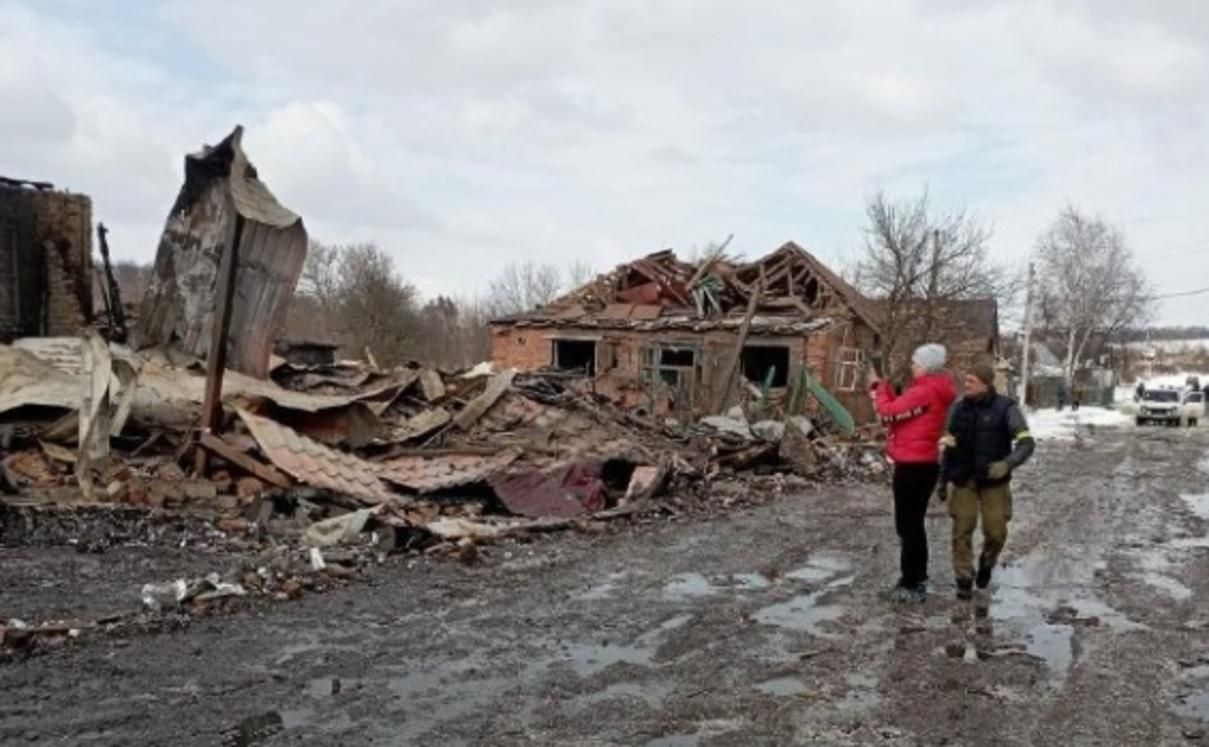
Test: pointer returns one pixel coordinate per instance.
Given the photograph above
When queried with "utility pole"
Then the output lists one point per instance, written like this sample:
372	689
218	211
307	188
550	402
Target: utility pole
1026	353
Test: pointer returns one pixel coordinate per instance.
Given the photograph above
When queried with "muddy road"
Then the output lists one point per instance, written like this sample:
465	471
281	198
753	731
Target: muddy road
767	626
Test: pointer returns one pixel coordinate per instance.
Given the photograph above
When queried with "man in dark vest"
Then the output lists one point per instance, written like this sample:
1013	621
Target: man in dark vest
986	439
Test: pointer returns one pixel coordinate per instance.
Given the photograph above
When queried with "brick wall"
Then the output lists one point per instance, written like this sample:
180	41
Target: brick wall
620	359
64	220
520	348
47	245
64	315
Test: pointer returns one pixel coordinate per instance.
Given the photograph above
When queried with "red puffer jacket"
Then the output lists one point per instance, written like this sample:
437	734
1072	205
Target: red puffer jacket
915	420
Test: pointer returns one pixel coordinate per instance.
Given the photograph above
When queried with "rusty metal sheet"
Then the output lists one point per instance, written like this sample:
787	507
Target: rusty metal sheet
426	474
311	462
536	494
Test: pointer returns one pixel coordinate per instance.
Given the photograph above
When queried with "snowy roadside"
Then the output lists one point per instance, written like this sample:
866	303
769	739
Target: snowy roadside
1051	425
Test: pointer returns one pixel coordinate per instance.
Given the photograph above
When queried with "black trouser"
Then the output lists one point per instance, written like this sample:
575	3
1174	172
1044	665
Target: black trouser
913	487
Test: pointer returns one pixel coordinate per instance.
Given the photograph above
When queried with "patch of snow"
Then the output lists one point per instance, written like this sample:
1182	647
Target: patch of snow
1199	504
1050	424
1169	346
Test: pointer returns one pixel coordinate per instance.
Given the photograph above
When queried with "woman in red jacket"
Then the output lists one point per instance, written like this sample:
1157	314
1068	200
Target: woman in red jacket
914	422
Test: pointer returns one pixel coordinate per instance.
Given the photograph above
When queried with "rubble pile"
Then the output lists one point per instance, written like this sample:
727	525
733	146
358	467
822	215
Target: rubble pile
329	466
414	443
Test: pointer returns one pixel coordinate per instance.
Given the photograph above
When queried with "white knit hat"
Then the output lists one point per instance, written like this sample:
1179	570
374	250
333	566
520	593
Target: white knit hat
930	357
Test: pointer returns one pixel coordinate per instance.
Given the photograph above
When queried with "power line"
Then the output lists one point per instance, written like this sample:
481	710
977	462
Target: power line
1196	292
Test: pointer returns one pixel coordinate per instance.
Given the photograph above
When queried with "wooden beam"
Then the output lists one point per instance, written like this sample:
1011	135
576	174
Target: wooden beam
478	406
224	450
216	361
752	303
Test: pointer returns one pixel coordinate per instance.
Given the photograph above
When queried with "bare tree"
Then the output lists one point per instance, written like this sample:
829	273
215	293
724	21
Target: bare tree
917	260
376	307
579	273
1089	282
522	287
133	279
320	273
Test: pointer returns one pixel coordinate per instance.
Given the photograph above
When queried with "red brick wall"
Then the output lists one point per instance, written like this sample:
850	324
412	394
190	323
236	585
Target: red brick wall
520	348
620	359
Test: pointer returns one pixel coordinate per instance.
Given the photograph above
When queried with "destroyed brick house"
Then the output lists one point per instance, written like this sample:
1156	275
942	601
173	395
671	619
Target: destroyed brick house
662	335
45	260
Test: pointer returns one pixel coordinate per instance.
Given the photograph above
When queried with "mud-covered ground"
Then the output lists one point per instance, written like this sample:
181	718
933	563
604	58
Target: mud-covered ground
766	626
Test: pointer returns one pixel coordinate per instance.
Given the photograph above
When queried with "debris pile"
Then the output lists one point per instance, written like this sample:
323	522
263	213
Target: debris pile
454	455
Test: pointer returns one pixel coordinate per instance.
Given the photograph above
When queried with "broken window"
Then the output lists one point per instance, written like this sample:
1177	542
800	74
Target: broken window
674	366
575	355
850	362
762	361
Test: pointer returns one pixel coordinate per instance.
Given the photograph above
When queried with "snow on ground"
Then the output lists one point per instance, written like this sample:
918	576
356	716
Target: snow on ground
1049	424
1175	380
1169	346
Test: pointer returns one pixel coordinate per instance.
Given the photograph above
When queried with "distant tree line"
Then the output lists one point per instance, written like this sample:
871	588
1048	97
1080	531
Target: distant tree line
354	296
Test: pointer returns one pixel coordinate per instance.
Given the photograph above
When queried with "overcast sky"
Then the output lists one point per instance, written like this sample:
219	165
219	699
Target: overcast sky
463	135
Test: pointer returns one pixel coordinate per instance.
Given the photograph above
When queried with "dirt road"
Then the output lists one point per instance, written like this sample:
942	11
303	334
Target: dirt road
767	626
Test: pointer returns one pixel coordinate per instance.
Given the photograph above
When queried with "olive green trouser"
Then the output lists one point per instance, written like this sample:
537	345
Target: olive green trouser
966	502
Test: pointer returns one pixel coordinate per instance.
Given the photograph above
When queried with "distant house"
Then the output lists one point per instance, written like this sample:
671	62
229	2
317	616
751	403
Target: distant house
45	260
661	334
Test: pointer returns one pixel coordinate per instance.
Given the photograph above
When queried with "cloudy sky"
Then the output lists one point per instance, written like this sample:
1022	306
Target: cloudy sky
462	135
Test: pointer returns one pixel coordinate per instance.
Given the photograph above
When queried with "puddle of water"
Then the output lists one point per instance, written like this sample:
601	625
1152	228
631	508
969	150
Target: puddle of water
862	695
782	687
1198	504
820	567
801	613
650	694
1029	601
688	585
1175	589
1199	672
1193	705
587	659
1053	645
1155	571
751	581
602	590
445	693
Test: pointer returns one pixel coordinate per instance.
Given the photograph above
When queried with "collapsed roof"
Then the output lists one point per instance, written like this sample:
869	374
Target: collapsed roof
793	293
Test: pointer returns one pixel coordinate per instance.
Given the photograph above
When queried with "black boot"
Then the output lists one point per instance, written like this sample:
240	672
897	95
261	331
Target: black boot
983	579
965	588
